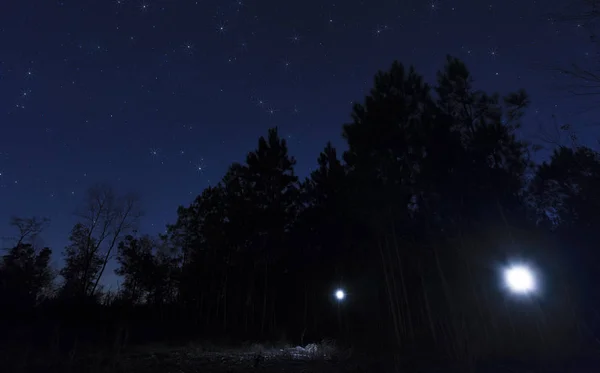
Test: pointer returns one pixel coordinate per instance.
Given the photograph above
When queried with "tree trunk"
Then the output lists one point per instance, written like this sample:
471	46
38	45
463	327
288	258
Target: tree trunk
402	280
427	305
388	287
264	308
305	314
225	302
200	307
113	242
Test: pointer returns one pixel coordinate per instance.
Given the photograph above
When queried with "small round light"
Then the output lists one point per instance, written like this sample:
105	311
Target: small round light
339	294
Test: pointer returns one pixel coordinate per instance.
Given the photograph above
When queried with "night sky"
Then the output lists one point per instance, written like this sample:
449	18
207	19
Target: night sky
160	97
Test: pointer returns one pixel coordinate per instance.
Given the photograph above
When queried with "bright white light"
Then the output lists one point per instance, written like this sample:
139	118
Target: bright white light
339	294
519	279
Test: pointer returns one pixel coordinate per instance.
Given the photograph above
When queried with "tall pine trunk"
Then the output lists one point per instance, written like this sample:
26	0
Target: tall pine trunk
225	301
264	307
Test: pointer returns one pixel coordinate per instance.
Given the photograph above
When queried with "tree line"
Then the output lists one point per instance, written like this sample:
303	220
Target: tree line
433	196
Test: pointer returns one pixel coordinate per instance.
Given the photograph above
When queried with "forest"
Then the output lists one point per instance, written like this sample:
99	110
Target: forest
435	194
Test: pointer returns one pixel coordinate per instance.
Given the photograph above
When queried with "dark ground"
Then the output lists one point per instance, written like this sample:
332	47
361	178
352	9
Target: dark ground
193	357
205	357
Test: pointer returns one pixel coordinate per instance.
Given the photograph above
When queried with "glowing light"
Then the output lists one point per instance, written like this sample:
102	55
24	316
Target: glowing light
339	294
519	279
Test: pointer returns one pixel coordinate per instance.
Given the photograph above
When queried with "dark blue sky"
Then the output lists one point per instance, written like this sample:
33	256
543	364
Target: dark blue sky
141	95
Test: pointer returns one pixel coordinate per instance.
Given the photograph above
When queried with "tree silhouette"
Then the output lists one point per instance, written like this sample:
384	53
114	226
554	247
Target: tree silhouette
416	218
25	275
82	264
147	270
105	218
273	188
29	228
433	174
565	201
565	187
235	232
490	163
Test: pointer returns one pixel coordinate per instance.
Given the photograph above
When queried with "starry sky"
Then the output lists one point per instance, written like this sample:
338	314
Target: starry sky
159	97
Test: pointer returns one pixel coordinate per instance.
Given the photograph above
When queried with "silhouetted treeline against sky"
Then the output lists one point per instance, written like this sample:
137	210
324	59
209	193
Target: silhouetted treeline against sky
435	195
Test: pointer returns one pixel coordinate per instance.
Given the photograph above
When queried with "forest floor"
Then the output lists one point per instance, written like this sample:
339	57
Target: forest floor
196	357
255	358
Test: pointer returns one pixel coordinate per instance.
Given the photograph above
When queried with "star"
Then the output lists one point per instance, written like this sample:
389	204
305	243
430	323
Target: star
380	29
188	47
222	27
201	166
259	102
295	38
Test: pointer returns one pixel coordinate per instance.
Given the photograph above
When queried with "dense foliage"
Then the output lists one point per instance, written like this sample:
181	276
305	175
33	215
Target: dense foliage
434	195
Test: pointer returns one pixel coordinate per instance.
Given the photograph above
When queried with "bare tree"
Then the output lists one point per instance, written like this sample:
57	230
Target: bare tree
29	228
555	136
106	217
583	14
580	78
